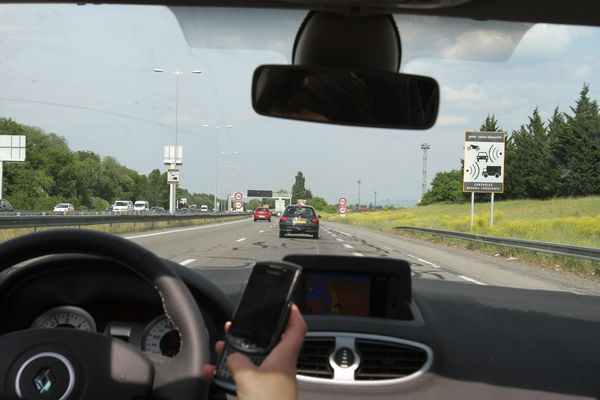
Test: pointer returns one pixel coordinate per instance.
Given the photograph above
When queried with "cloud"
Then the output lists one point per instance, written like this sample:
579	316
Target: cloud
483	42
471	92
544	41
583	71
451	120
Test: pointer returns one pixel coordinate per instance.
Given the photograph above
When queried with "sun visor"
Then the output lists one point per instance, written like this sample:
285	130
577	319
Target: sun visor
422	36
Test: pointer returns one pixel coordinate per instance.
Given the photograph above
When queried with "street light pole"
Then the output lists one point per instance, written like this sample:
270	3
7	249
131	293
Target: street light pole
375	200
359	182
173	186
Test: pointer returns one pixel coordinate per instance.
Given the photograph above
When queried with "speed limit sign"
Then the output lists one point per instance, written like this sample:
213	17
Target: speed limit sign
343	210
238	204
238	196
342	201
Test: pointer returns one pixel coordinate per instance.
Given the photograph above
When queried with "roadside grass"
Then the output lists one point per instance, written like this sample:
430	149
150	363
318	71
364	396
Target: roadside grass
567	221
118	228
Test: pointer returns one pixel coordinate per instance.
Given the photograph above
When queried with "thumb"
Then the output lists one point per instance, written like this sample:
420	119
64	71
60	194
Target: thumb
239	363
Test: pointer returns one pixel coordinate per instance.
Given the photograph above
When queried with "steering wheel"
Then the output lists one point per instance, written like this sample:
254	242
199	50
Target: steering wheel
62	364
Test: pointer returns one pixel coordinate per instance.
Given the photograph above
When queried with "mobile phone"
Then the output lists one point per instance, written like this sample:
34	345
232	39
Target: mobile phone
260	316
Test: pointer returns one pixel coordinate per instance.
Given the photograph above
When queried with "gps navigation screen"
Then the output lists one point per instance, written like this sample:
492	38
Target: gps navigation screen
336	294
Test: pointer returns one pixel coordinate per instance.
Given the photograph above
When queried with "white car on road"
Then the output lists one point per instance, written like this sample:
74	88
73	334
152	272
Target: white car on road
122	206
141	205
64	208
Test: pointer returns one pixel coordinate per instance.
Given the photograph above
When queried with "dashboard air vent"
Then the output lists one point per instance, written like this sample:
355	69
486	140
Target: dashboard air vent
384	360
314	357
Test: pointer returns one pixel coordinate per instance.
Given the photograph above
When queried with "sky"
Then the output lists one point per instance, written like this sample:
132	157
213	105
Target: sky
86	73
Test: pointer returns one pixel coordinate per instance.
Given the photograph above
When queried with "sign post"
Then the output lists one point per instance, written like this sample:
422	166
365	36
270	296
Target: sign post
173	156
484	166
342	206
12	149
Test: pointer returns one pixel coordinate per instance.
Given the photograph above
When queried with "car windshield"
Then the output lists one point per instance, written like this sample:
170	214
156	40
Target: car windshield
300	211
150	102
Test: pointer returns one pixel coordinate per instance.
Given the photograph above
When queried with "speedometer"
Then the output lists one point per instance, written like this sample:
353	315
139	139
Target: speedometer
65	317
161	337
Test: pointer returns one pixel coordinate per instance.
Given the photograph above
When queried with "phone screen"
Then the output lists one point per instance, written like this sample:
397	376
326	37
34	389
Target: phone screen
264	299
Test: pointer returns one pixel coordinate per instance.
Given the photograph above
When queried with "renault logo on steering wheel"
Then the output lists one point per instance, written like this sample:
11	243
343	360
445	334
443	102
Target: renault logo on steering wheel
44	381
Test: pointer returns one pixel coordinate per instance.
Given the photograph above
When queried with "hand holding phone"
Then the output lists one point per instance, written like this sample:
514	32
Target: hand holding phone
259	319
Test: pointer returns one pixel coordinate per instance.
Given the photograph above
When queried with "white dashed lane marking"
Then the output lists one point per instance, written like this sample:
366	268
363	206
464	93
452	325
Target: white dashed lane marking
188	261
241	240
346	245
358	254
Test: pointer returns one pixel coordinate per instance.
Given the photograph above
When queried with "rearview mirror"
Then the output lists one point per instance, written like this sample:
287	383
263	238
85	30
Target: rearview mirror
371	98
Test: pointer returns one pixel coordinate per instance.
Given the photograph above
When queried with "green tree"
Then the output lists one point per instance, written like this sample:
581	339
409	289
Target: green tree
575	148
254	204
530	173
317	202
490	124
446	187
157	191
299	190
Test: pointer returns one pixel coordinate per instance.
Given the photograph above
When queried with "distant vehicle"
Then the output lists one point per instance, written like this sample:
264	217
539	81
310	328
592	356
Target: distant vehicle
5	206
123	206
299	219
109	209
157	210
141	205
482	155
495	170
279	207
203	208
262	213
64	208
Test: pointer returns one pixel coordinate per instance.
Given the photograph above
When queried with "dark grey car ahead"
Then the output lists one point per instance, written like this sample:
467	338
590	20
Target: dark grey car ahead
299	219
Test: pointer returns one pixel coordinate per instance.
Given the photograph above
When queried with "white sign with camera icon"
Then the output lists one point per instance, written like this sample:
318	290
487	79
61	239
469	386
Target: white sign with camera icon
483	170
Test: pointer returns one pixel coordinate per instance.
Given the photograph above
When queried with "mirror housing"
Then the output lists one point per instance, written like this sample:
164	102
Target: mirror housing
346	96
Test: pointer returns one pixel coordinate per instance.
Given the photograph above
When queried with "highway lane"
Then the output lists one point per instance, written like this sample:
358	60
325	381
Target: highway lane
225	252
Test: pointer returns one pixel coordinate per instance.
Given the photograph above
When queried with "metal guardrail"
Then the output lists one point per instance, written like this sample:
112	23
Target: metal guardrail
588	253
39	221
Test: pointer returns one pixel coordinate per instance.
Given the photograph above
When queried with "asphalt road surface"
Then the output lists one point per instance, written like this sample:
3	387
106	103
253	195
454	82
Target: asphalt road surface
226	251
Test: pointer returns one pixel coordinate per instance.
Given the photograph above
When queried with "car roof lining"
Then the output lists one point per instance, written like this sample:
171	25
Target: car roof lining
586	12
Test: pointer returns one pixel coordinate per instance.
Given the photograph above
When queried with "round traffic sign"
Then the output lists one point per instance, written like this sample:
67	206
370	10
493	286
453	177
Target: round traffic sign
238	204
238	195
343	210
342	201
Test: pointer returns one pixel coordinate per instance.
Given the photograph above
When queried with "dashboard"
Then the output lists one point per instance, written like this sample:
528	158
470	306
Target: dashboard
98	295
372	330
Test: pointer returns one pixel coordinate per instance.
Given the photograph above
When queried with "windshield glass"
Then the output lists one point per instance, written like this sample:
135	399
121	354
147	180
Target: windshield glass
106	95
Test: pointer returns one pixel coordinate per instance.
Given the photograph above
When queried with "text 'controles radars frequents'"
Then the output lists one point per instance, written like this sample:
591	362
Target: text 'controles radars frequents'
484	162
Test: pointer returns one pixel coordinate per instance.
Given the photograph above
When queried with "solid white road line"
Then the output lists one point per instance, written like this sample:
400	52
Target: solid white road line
241	240
185	229
466	278
344	233
186	262
358	254
424	261
346	245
